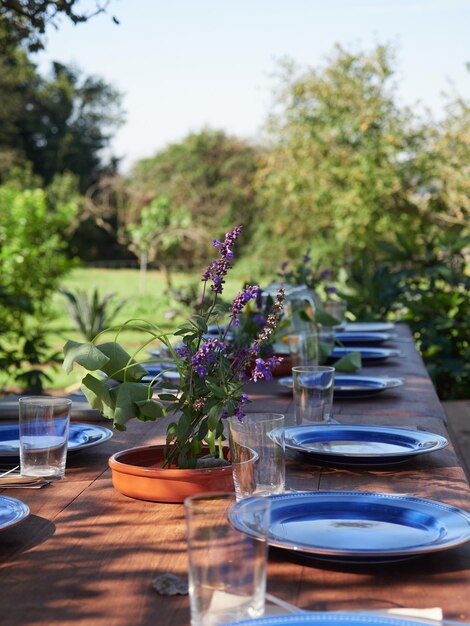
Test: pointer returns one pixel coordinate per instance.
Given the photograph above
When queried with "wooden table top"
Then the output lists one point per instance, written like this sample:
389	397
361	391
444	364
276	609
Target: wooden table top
87	555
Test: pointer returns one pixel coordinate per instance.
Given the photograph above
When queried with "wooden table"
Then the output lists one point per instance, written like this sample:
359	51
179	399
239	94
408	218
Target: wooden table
87	555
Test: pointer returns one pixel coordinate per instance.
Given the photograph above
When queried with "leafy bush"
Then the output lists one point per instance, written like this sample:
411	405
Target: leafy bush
90	313
32	261
423	280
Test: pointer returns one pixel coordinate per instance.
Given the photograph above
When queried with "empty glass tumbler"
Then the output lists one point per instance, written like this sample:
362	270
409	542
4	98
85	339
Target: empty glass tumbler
227	568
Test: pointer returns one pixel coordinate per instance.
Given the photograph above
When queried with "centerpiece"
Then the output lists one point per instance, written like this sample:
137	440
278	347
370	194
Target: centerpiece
211	374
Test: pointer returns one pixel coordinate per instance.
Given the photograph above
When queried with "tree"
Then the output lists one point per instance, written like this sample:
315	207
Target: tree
211	175
154	229
24	22
66	122
342	166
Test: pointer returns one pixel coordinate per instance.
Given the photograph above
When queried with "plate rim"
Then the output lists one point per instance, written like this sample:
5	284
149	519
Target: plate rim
106	434
22	508
442	441
358	553
384	326
333	618
396	380
340	618
366	351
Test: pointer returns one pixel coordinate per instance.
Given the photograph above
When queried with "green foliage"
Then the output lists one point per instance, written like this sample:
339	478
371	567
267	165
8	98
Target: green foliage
32	261
343	159
211	175
58	124
92	313
423	279
25	23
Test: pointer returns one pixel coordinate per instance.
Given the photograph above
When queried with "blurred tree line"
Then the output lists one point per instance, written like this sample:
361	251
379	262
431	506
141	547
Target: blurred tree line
377	191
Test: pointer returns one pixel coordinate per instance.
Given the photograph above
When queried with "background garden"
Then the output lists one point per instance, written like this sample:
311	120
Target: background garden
349	185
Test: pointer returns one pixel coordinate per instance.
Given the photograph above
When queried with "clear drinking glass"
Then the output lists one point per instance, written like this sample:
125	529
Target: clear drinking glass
336	308
267	474
227	569
303	348
313	393
44	429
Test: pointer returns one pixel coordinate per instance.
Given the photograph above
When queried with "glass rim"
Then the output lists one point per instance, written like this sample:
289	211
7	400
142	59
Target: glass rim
313	368
45	400
199	499
272	417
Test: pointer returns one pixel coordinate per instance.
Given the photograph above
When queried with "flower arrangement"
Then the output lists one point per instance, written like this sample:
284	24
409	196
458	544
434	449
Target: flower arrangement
211	370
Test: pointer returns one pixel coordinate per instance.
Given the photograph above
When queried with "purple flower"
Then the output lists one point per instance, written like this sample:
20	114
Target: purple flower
206	355
325	274
250	292
306	258
263	368
201	370
330	289
182	351
239	410
259	320
219	268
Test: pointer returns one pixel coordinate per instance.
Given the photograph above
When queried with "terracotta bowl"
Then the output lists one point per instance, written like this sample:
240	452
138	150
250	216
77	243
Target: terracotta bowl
137	473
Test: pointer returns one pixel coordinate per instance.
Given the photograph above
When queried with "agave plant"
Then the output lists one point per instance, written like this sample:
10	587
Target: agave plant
92	313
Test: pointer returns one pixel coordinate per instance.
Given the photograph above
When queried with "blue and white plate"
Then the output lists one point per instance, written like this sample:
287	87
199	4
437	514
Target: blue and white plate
12	511
81	436
356	444
329	619
357	527
368	327
351	386
358	339
368	355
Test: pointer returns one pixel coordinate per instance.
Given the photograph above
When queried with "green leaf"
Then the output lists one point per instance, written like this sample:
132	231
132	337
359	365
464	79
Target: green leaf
167	397
85	354
183	428
325	319
324	351
203	430
126	395
151	409
200	323
214	415
97	393
217	390
349	363
120	364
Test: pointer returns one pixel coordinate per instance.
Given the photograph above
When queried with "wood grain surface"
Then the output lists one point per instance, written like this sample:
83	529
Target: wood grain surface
87	555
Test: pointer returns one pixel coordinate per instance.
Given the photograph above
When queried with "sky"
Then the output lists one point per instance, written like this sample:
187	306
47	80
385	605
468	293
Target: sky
184	65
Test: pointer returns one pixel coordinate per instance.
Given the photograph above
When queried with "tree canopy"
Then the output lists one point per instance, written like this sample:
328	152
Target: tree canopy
343	157
24	22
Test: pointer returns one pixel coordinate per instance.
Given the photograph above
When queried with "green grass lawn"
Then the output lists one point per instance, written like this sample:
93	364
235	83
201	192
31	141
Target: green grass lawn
154	305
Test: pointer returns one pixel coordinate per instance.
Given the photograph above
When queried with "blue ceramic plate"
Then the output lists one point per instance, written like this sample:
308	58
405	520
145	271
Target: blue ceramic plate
358	339
359	527
81	436
351	444
350	386
329	619
368	327
368	355
154	368
12	511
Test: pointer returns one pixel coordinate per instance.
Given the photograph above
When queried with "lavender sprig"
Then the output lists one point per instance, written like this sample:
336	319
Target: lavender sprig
218	269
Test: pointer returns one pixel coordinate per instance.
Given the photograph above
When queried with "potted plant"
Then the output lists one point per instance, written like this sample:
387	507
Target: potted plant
211	377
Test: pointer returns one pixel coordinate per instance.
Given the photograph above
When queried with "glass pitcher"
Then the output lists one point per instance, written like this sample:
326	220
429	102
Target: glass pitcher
299	301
